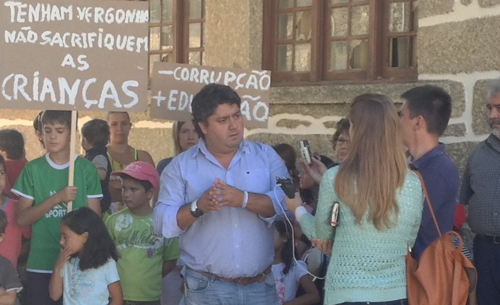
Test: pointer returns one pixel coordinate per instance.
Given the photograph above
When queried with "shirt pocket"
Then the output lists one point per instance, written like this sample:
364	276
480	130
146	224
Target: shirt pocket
254	180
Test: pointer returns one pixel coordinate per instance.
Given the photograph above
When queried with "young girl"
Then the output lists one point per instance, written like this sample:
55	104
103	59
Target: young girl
288	274
85	272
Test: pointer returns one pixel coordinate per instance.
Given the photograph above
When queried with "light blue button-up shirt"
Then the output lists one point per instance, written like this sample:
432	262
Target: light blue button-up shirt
231	242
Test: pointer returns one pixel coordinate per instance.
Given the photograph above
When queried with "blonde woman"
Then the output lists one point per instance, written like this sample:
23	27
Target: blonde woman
184	136
380	203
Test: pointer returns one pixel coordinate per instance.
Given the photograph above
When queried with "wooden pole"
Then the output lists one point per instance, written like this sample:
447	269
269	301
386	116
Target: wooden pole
72	146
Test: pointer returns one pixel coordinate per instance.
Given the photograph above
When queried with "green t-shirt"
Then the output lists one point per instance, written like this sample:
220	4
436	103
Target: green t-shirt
141	255
40	179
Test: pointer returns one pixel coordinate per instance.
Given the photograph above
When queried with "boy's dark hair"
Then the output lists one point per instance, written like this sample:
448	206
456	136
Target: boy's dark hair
2	162
37	122
96	132
62	117
208	99
285	230
433	104
146	184
3	221
12	142
99	246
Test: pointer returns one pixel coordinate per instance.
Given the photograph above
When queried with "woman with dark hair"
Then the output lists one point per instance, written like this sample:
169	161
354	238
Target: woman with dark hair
380	207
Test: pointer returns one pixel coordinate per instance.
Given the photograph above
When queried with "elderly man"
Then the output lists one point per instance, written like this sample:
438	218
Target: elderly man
481	192
219	198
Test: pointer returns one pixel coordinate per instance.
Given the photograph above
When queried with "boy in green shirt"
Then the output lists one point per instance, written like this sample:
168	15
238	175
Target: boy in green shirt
145	258
43	191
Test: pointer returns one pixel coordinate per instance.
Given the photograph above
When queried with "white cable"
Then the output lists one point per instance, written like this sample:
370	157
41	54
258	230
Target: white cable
315	277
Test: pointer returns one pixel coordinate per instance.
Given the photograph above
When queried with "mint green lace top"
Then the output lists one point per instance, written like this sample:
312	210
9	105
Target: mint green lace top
367	265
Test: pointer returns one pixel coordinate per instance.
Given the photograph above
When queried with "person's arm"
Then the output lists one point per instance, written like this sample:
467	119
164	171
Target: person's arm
116	293
311	295
168	266
101	164
28	214
206	204
95	205
143	155
56	286
8	297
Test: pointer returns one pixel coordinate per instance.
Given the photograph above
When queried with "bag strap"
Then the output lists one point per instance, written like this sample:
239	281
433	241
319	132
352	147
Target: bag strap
428	199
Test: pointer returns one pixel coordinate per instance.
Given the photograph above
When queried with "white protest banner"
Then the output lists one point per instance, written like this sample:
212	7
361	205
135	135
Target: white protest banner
74	55
174	85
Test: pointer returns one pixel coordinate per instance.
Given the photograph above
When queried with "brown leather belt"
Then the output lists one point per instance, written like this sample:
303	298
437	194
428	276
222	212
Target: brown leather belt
242	280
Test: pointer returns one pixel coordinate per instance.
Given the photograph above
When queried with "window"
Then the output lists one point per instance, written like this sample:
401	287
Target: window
176	30
340	40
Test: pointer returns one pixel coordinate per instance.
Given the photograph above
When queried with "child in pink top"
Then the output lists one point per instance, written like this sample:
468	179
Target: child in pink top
11	245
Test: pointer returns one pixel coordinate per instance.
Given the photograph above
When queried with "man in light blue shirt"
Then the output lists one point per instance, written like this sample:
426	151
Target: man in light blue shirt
220	198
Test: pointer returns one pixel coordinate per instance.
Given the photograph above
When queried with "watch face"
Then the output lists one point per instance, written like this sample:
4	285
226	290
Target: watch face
196	213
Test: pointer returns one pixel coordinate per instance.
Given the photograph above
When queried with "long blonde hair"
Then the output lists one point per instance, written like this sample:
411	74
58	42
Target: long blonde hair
375	165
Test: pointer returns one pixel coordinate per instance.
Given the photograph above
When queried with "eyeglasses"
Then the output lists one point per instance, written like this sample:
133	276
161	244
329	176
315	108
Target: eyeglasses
341	142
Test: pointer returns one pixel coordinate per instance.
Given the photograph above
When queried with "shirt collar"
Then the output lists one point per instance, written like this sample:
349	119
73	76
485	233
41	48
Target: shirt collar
494	142
424	160
201	147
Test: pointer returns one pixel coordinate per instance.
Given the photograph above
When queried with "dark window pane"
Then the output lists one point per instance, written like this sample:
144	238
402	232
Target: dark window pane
398	52
285	55
285	26
359	20
154	38
167	39
338	55
339	21
195	35
398	17
166	11
195	9
302	57
359	54
285	3
303	29
154	11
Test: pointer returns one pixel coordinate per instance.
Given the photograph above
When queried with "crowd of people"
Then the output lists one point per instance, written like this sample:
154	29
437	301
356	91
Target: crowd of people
211	225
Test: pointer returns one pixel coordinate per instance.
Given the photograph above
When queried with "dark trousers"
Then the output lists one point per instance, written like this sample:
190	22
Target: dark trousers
487	261
396	302
38	289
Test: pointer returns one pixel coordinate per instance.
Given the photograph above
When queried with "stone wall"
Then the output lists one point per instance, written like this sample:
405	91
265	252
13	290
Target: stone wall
456	50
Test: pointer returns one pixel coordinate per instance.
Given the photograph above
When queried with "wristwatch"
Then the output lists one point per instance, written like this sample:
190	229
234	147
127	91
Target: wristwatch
195	211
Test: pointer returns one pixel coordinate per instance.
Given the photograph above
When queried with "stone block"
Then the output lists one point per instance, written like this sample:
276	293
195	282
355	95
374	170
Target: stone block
488	3
292	123
455	130
156	141
480	124
330	124
466	2
460	152
320	101
459	47
427	8
233	33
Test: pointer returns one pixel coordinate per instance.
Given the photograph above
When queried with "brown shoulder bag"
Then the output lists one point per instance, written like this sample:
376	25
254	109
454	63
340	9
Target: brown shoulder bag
443	275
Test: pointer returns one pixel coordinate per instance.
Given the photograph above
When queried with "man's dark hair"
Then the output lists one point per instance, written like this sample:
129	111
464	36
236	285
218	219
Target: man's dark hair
96	132
62	117
433	104
3	221
12	142
208	99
